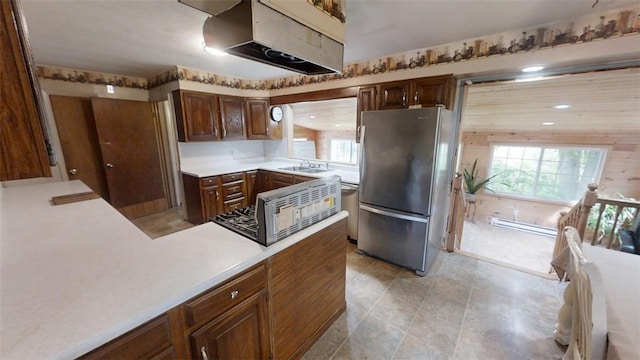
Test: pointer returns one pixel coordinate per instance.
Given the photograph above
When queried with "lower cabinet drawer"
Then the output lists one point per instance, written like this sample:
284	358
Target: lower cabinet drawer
232	190
234	204
224	297
148	341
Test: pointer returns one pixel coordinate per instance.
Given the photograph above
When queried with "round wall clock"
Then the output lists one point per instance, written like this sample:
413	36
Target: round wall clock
276	113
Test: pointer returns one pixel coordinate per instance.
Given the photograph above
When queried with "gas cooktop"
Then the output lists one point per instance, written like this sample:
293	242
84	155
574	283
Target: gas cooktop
242	221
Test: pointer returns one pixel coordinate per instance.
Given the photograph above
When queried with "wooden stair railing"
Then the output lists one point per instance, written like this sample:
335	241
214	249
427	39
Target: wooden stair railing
456	215
578	216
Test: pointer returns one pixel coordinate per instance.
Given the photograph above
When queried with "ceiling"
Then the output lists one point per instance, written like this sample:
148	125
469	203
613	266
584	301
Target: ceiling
329	115
146	37
600	102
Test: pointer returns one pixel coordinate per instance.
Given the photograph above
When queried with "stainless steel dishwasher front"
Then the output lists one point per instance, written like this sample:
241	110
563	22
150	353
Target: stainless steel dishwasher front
350	203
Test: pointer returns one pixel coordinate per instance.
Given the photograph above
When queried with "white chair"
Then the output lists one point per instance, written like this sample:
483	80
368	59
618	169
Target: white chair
583	315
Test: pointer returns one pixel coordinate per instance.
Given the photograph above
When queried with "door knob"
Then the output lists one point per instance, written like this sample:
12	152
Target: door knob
73	171
109	165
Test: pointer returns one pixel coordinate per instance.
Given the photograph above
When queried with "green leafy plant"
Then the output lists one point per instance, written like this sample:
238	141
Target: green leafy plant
472	180
625	219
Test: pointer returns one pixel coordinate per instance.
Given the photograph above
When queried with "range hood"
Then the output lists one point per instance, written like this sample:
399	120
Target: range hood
256	32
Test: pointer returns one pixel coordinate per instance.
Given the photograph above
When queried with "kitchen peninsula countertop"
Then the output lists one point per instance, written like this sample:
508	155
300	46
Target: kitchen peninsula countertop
76	276
348	174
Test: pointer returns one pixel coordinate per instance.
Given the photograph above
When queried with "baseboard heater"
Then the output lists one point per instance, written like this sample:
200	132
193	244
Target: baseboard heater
530	228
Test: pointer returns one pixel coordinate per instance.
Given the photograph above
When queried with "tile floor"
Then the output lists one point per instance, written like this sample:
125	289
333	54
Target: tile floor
162	223
464	308
512	247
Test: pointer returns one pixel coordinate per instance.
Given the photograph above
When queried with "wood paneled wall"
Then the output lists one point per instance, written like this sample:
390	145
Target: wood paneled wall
621	171
303	132
323	145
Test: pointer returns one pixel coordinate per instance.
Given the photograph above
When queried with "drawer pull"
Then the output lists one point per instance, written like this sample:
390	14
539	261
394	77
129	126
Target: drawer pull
203	350
234	294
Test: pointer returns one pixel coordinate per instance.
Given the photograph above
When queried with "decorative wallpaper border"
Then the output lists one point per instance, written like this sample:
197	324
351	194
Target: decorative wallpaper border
90	77
613	24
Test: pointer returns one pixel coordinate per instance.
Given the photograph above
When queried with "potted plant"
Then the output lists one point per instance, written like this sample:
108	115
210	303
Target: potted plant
473	183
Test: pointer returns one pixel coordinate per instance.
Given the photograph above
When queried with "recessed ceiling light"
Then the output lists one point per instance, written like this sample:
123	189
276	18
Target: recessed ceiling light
532	68
562	106
213	51
312	116
337	125
548	123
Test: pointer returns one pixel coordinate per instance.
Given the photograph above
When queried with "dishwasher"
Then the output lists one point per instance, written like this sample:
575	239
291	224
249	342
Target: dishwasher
349	201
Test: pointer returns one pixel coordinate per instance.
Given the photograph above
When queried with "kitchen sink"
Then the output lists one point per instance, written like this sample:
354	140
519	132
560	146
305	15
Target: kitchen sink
305	169
295	168
314	170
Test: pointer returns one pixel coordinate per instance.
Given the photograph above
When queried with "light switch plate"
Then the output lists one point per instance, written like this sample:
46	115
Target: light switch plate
110	89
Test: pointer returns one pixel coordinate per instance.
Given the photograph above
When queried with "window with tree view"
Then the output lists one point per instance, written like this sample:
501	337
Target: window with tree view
345	151
545	172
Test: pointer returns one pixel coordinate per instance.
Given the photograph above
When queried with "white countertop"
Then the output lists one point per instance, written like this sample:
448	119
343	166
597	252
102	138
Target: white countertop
348	174
75	276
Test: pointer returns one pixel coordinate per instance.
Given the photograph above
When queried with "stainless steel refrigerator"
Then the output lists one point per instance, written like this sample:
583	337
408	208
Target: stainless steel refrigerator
405	175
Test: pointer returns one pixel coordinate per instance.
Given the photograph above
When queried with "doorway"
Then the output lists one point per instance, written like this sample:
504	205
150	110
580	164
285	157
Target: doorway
543	141
112	146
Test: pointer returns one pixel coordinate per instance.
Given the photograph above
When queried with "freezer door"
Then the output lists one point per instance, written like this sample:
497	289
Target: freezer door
397	158
398	238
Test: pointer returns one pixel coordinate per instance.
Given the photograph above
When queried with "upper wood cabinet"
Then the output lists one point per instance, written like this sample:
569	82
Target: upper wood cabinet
366	102
433	91
394	95
426	92
257	119
22	138
232	118
197	116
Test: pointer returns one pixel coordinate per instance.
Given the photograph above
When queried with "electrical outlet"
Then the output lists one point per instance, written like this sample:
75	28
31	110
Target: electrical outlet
110	89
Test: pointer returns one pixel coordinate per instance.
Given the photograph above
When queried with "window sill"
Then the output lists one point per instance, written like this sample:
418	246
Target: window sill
536	200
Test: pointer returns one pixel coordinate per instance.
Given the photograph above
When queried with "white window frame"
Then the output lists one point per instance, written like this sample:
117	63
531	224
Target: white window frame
353	144
598	176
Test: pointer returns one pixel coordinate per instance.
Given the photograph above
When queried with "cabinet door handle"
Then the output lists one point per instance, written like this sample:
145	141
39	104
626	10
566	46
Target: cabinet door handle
234	294
203	350
109	165
224	132
404	98
415	99
216	191
73	171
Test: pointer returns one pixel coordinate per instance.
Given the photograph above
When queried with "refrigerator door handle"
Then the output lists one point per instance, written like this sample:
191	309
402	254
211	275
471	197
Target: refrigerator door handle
393	214
362	155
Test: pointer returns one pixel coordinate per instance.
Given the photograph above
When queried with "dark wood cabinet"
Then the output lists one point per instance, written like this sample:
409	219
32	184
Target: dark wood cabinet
424	92
23	139
394	95
279	180
201	197
232	192
197	116
151	340
210	199
307	275
276	309
251	186
257	119
241	333
230	321
232	118
263	181
297	179
432	91
209	196
366	102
